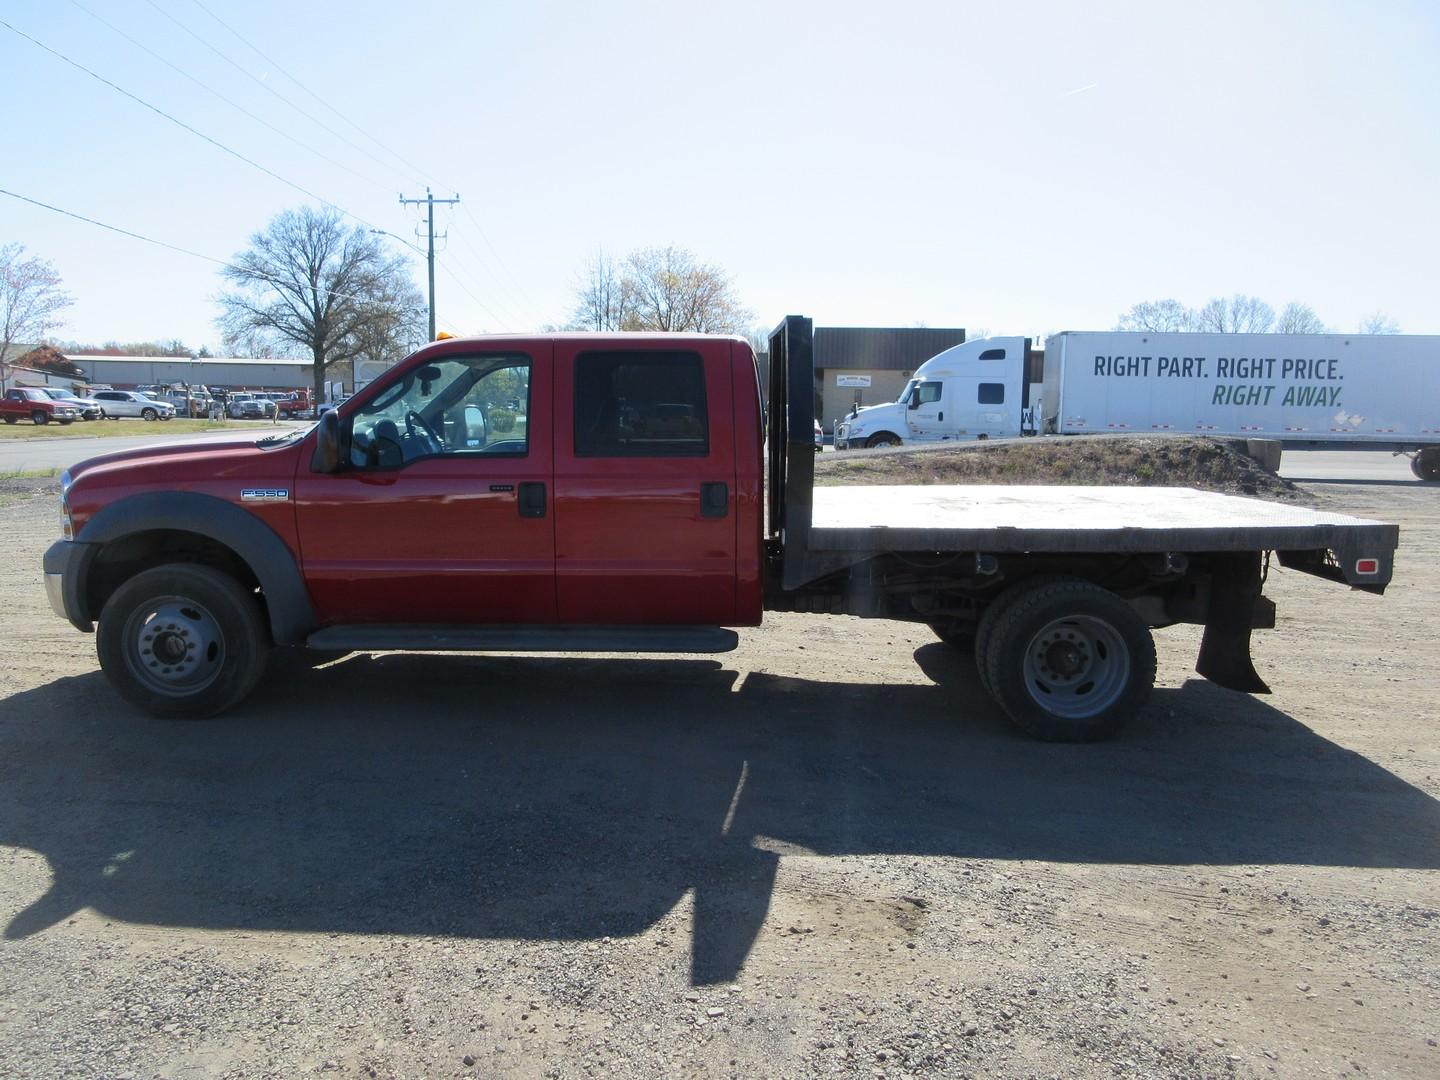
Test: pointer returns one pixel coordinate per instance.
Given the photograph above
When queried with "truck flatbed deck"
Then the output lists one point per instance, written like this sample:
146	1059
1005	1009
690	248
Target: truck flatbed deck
1024	518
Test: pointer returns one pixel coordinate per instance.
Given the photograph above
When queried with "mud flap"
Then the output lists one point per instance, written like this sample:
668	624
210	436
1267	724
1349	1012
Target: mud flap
1225	648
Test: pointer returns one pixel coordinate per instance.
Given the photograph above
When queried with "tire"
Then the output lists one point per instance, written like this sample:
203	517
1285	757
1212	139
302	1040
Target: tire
66	423
955	633
39	419
1426	465
210	628
985	629
1069	661
882	438
148	414
9	419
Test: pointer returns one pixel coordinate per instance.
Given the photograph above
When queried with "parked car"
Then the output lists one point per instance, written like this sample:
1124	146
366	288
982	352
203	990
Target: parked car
89	407
192	402
118	403
244	406
33	404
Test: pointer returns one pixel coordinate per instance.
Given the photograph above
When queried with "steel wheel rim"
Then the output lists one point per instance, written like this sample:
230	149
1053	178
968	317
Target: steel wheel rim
1077	667
174	646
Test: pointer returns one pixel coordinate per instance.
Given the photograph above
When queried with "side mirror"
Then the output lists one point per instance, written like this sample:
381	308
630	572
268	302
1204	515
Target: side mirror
327	457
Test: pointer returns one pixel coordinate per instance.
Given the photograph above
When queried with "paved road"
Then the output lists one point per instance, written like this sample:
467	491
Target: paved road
1364	466
25	455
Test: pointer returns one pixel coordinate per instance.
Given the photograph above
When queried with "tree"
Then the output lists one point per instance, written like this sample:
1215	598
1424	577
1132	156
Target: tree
1158	317
600	301
661	289
308	281
30	298
1378	322
1296	318
1239	314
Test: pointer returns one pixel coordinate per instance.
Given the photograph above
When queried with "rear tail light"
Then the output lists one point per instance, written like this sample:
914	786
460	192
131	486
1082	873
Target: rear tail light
1367	566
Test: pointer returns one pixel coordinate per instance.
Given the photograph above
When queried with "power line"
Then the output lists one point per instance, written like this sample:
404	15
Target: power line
268	88
481	230
521	295
269	60
233	104
180	123
223	263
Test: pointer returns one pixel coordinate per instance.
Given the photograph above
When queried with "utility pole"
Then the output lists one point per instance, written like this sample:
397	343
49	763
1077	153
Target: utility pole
429	200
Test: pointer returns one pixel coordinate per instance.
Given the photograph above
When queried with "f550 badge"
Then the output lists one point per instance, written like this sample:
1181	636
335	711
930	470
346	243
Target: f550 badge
264	494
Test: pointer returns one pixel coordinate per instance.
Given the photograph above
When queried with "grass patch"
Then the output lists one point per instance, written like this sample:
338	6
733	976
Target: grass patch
81	428
1129	461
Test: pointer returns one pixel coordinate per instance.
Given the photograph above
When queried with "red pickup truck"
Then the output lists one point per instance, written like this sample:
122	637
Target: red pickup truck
609	493
28	403
297	404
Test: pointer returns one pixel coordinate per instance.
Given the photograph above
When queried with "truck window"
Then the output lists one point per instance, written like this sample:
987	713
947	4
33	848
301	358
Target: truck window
992	393
458	405
993	354
927	393
640	404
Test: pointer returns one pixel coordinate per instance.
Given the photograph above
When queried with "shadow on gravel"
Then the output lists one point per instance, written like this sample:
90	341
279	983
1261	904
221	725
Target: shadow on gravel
578	798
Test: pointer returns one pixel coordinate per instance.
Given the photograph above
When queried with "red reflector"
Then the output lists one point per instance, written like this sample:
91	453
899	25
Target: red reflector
1367	566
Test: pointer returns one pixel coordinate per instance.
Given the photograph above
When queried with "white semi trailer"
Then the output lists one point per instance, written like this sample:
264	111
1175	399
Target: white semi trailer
1304	390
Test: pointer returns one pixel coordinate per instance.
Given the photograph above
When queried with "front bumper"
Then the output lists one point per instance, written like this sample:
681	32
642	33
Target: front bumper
66	564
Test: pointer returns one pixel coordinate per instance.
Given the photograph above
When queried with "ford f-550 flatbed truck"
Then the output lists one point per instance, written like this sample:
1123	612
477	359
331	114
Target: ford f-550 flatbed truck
580	492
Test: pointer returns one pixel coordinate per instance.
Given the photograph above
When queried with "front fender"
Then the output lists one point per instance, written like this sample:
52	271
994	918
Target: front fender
292	616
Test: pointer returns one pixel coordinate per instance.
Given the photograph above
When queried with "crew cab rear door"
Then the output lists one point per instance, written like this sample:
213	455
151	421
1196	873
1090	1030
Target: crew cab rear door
645	517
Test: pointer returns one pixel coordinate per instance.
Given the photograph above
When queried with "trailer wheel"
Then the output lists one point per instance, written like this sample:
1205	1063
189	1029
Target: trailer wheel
182	641
1426	465
1069	661
882	438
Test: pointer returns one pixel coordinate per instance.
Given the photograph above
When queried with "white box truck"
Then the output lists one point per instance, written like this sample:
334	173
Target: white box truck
1303	390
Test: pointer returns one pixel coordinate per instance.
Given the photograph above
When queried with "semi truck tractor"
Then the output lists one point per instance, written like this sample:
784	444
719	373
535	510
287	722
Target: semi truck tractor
649	503
1304	390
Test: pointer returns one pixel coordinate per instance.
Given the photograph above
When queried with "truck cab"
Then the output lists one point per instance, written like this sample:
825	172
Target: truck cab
975	390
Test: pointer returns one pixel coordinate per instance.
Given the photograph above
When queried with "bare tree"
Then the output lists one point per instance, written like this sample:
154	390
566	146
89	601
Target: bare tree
1238	314
667	289
30	299
308	281
1377	322
1158	317
1297	318
600	296
664	289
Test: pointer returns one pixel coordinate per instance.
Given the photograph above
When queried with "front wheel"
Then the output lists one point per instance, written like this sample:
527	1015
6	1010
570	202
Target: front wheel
883	438
1070	662
148	414
182	641
39	418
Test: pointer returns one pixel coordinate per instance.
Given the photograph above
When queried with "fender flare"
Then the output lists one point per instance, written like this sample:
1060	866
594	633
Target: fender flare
292	616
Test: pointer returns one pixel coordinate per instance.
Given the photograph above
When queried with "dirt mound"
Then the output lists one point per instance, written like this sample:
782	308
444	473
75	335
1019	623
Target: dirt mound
1136	461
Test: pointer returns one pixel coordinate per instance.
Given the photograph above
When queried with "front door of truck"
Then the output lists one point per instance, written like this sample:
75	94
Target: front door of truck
443	514
925	413
645	512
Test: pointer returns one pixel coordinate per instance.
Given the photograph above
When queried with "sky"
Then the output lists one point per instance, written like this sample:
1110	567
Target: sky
1014	167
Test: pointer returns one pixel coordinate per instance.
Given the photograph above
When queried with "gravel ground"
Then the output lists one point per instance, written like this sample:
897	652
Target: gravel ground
822	855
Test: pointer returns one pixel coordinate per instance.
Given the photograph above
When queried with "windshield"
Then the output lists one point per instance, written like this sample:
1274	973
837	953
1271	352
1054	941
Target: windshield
60	393
905	394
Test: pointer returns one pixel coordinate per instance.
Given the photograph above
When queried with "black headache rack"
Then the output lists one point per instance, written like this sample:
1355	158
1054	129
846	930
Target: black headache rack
790	450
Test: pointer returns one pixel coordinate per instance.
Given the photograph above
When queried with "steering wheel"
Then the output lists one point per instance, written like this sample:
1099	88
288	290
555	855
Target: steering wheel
425	434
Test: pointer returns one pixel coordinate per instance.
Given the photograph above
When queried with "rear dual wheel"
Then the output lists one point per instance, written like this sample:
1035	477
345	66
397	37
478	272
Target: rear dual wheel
1068	661
1426	465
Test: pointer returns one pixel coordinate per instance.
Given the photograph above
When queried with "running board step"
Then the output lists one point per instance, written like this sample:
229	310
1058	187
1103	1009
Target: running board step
619	639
